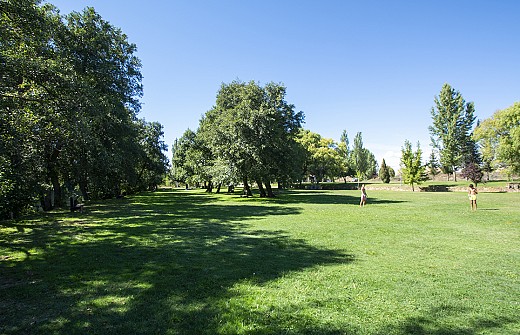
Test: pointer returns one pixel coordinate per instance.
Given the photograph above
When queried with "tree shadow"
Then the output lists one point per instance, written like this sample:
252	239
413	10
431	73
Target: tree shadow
156	264
435	188
327	197
439	320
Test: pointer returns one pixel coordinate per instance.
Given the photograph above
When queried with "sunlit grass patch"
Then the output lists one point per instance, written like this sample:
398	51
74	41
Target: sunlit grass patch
306	262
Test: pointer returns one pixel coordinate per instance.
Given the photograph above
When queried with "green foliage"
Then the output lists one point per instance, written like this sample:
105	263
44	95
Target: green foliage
391	171
411	166
433	164
345	153
499	137
152	163
451	128
384	173
69	96
323	160
251	130
360	158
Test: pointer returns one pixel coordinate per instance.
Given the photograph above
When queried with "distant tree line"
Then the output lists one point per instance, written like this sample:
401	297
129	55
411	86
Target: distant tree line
69	99
461	146
253	135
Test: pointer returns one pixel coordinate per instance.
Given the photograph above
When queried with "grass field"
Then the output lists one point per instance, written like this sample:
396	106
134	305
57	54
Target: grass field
306	262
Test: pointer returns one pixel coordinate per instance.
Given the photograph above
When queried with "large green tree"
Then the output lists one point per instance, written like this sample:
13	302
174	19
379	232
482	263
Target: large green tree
322	157
29	74
252	127
450	131
183	169
499	137
152	163
110	87
69	96
360	158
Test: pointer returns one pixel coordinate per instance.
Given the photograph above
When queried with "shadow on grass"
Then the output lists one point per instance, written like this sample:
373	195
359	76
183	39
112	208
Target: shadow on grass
435	188
441	320
327	197
164	263
171	263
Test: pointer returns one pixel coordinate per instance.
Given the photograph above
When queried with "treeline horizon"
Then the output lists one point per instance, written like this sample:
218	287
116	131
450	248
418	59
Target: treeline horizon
253	133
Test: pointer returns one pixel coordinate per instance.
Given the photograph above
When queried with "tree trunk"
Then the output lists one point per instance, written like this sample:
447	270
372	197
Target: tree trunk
261	188
57	188
218	187
46	200
269	189
83	188
54	177
247	190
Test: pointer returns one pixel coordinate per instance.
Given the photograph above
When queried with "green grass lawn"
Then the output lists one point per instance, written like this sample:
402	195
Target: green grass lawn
306	262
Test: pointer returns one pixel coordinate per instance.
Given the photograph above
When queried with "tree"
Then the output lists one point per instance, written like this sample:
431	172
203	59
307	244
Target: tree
473	172
372	164
152	162
384	173
360	158
433	164
323	159
183	169
251	127
411	167
345	155
30	73
500	136
110	84
452	122
69	99
391	172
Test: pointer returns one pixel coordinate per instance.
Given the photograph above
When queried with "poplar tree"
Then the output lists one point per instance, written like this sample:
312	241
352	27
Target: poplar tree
451	129
360	159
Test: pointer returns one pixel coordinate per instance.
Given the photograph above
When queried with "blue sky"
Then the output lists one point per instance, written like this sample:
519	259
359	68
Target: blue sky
364	66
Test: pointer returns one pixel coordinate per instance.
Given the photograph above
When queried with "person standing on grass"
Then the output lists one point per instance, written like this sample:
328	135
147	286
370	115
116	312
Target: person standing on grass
472	194
363	196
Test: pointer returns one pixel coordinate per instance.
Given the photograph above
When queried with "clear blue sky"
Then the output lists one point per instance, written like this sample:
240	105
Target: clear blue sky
368	66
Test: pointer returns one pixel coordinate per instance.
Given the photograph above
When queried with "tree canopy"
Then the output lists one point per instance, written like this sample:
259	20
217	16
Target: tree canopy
411	166
69	98
384	172
450	131
249	135
499	137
